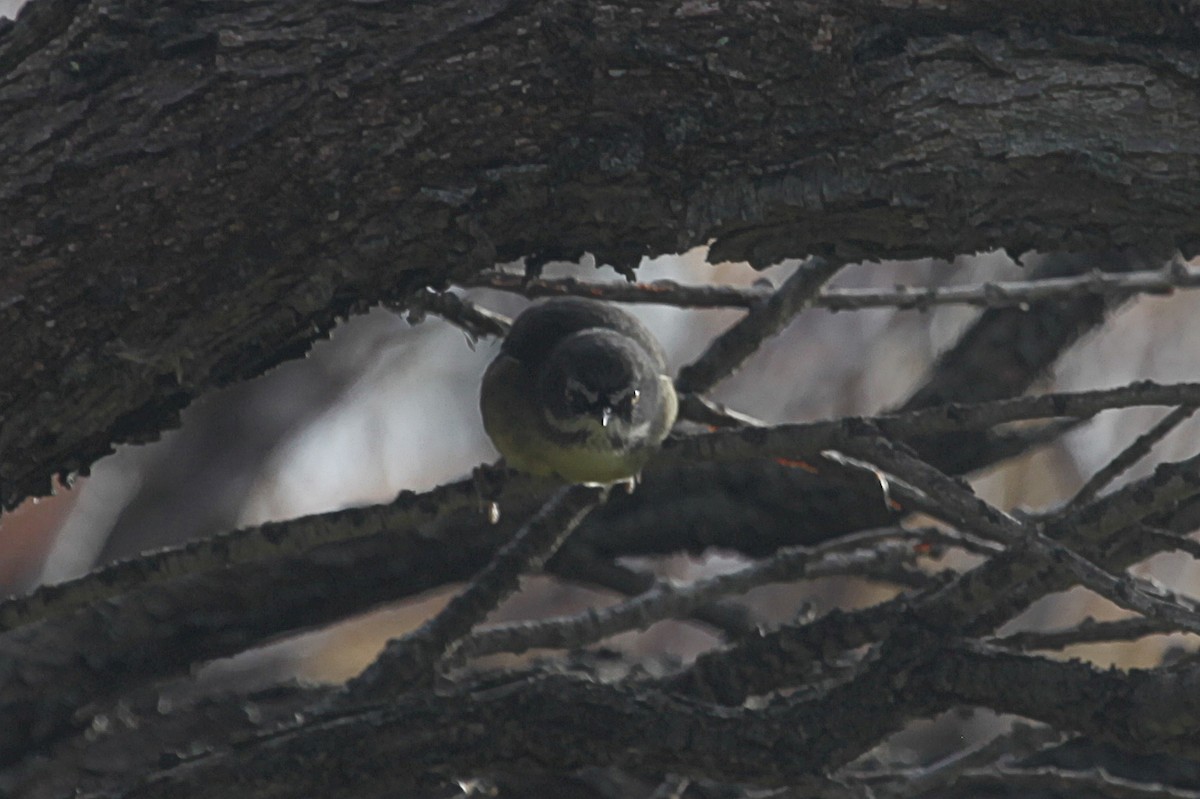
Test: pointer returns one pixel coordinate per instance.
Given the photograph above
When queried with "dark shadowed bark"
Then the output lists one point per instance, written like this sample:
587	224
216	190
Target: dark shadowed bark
192	192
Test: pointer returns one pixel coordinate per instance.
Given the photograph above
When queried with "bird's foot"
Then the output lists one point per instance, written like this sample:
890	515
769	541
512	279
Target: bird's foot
489	480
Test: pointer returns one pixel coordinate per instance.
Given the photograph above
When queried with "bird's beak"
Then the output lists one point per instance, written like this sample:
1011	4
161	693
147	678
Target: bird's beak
605	414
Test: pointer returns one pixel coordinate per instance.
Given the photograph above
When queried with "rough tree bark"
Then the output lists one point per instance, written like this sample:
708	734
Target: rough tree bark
193	191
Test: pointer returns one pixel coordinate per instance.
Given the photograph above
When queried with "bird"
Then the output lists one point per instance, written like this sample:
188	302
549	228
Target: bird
579	391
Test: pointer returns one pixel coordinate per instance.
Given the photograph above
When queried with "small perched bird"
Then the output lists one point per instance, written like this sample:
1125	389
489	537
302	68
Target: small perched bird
579	391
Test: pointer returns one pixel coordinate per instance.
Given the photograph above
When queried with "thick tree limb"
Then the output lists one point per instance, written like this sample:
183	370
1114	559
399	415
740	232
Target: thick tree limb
355	560
193	192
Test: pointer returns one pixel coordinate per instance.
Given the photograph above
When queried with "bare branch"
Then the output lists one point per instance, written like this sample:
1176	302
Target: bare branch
534	722
475	321
812	788
1139	449
798	440
997	590
1088	631
1001	294
1023	740
788	656
729	350
948	499
1171	540
409	510
1067	783
446	185
958	538
417	226
973	603
982	597
702	410
1005	350
732	620
667	600
155	631
408	661
1169	484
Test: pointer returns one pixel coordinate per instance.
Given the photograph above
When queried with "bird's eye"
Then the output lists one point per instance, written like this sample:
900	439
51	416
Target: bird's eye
625	405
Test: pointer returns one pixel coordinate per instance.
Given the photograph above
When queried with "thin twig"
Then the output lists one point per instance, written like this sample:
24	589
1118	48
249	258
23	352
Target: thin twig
1106	529
1000	445
1022	741
1128	505
800	439
1139	449
475	321
702	410
1004	294
1088	631
733	621
1171	540
924	488
1063	782
957	538
975	603
811	788
729	350
667	600
921	537
410	659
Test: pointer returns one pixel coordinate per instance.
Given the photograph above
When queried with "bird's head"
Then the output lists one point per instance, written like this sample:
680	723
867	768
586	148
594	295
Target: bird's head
598	382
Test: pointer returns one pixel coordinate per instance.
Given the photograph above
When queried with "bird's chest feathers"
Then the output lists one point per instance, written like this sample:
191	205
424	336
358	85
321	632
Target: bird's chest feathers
591	453
578	449
588	434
